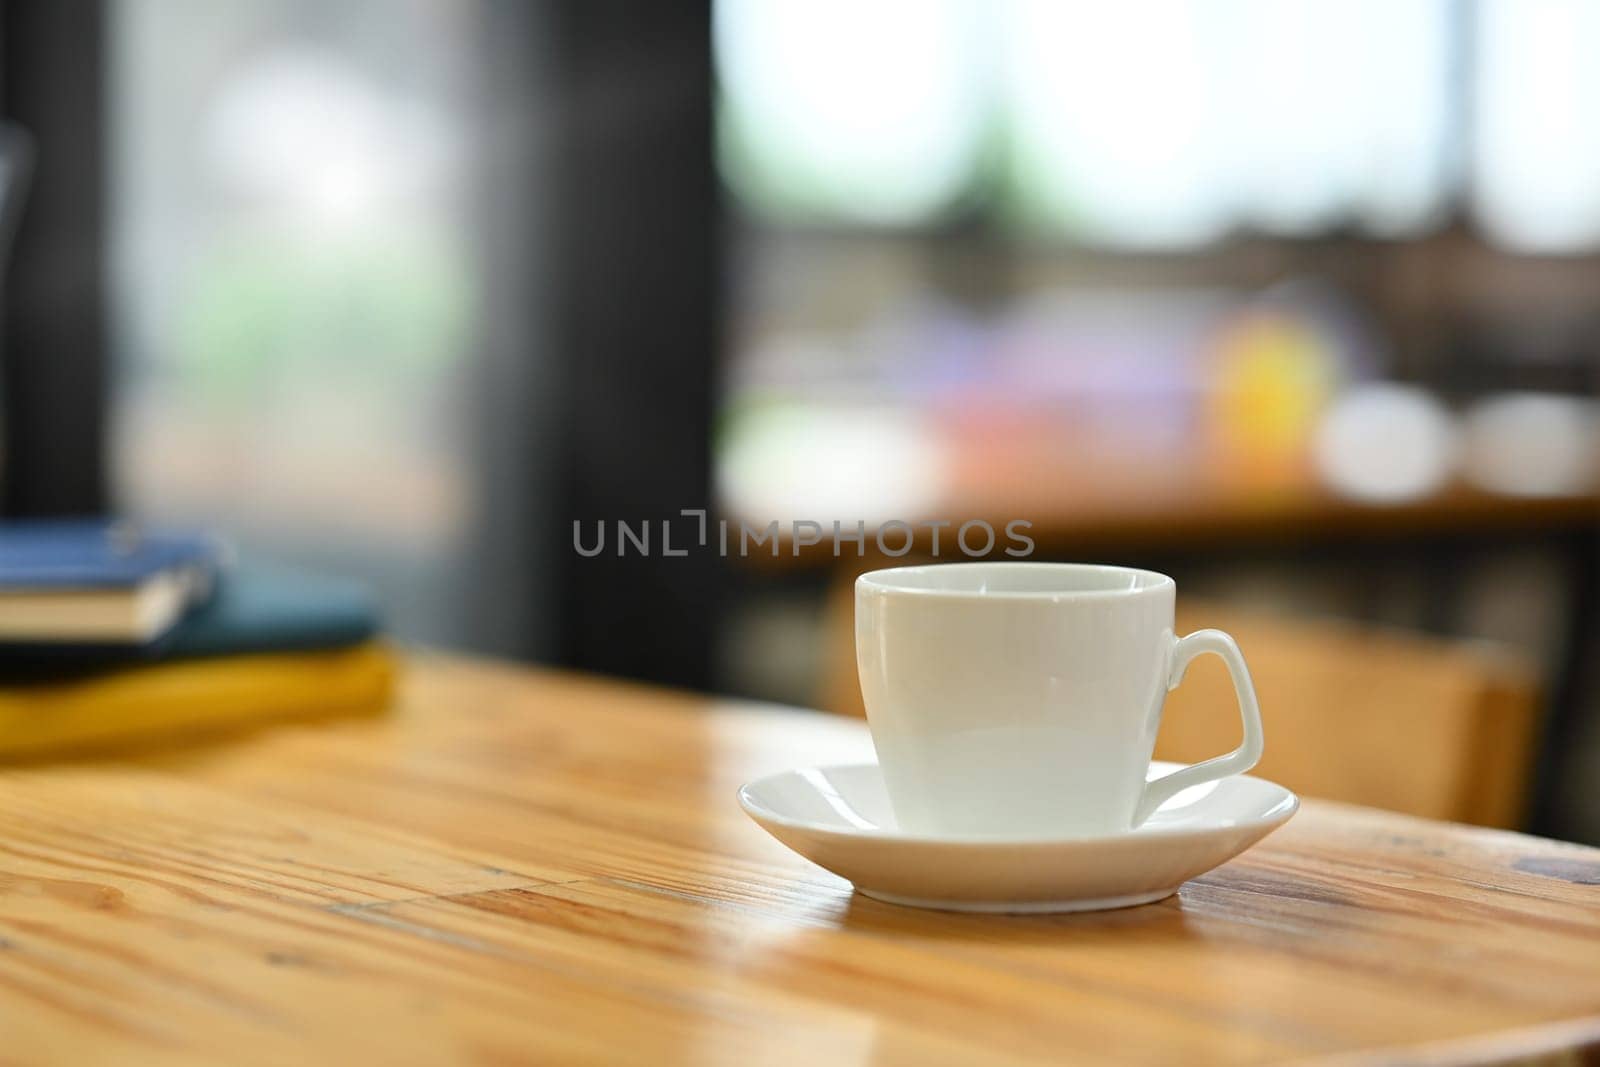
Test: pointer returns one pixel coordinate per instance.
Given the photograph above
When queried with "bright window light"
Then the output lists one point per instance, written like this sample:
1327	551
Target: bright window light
866	112
1335	112
1144	124
1113	111
1537	140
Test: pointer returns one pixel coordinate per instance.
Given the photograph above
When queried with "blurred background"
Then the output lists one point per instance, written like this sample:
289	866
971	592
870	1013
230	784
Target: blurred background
1296	300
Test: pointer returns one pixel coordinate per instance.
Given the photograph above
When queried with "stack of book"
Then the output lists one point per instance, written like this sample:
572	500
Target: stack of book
110	634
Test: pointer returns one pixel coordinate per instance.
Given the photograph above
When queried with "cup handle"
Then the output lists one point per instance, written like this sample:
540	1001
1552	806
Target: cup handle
1240	759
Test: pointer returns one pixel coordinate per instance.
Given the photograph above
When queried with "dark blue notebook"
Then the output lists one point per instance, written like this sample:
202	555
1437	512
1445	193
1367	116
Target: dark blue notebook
253	608
94	554
267	608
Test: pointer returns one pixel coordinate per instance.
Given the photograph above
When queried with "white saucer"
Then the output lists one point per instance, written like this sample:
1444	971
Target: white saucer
839	818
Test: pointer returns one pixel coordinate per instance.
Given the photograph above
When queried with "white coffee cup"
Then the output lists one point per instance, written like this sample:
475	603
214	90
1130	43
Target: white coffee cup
1023	699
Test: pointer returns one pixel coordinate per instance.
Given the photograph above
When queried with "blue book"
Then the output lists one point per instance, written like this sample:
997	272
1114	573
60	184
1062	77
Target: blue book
268	608
98	581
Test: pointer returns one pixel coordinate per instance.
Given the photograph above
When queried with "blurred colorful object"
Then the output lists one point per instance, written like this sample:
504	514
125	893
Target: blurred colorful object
1141	388
1533	444
1385	442
1270	376
827	462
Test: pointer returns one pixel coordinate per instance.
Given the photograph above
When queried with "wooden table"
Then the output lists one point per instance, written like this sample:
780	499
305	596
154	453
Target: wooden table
530	867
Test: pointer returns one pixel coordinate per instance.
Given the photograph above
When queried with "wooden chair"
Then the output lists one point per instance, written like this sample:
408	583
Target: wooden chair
1431	727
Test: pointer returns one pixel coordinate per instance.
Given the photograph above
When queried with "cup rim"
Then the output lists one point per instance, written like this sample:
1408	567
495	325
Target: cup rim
893	581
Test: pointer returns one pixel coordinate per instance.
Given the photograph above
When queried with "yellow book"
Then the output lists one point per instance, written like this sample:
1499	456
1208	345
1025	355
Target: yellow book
184	696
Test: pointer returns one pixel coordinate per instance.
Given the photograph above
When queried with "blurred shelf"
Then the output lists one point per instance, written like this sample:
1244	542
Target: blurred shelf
1063	518
1078	513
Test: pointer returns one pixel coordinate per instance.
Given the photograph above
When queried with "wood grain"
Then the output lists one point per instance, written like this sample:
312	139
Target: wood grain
528	867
